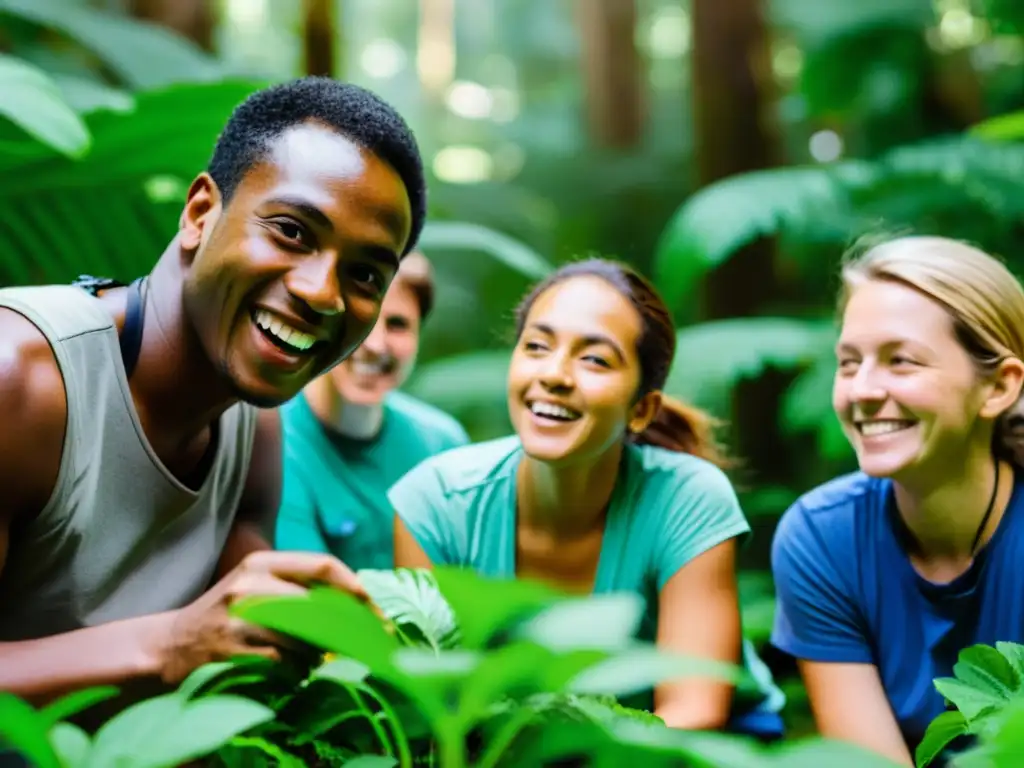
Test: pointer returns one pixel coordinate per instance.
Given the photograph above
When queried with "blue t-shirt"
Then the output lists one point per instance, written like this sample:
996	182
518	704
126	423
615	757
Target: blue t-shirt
848	593
334	497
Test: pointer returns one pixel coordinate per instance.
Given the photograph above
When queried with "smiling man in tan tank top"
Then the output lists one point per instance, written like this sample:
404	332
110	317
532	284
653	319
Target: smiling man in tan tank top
138	471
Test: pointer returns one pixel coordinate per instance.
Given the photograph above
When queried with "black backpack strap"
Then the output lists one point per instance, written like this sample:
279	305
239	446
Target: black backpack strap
130	339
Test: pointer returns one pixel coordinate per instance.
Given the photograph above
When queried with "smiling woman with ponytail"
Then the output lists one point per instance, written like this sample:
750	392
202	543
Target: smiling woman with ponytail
606	486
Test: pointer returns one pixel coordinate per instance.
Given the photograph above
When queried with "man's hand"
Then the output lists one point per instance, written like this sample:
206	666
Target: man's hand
205	631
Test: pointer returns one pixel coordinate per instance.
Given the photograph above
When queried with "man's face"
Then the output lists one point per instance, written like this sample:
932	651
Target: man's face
384	361
288	278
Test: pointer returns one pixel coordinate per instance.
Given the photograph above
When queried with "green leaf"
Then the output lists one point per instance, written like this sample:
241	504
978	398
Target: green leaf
281	758
142	54
1013	653
723	217
599	622
77	701
201	676
71	744
417	662
641	668
26	731
371	761
1009	127
485	607
412	600
988	670
341	670
328	619
814	753
33	101
742	348
168	730
941	731
966	698
86	95
443	236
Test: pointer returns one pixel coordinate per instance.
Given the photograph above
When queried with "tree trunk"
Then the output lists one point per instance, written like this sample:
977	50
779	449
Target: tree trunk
319	33
193	19
732	98
612	72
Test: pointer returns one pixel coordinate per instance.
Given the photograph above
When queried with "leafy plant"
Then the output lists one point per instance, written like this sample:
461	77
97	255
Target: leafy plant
958	186
535	677
987	690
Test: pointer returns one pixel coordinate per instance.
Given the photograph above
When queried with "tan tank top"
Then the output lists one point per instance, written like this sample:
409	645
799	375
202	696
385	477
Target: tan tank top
120	536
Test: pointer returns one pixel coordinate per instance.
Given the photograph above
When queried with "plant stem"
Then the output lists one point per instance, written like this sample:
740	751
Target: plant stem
503	738
453	748
401	742
382	734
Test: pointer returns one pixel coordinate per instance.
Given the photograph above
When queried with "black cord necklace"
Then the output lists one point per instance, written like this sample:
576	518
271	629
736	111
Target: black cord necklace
988	512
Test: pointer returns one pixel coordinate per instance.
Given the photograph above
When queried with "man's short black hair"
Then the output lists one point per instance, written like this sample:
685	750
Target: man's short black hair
352	111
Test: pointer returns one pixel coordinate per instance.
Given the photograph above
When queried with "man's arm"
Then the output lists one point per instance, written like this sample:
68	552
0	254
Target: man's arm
253	530
33	410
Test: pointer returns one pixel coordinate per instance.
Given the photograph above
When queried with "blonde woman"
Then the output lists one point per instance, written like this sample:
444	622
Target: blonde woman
884	575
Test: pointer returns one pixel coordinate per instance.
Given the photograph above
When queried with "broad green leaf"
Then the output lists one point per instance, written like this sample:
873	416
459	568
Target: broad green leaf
1005	747
341	670
735	349
511	670
201	676
701	750
26	731
605	622
411	599
33	101
171	131
1014	653
328	619
371	761
433	680
641	668
444	236
169	730
985	668
71	744
815	753
721	218
942	730
85	95
484	607
966	698
77	701
142	54
417	662
1009	127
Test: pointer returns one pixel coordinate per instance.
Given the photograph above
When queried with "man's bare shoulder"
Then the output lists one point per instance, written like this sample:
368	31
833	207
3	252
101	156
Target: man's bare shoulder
33	411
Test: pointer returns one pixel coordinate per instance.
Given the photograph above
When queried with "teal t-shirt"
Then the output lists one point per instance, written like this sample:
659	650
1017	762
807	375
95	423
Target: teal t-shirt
666	509
334	497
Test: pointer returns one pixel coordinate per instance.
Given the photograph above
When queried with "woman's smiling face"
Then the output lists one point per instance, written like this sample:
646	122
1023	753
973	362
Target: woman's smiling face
906	391
575	372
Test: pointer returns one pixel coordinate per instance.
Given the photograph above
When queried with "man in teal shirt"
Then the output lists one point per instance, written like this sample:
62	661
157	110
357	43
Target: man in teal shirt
349	435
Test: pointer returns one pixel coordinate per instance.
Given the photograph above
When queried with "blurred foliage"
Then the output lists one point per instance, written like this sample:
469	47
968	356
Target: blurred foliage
891	115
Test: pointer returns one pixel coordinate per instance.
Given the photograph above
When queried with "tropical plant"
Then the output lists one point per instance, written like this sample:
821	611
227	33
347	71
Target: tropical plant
446	669
987	691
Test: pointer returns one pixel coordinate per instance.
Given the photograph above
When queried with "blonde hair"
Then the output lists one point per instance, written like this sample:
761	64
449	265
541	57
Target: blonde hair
984	299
